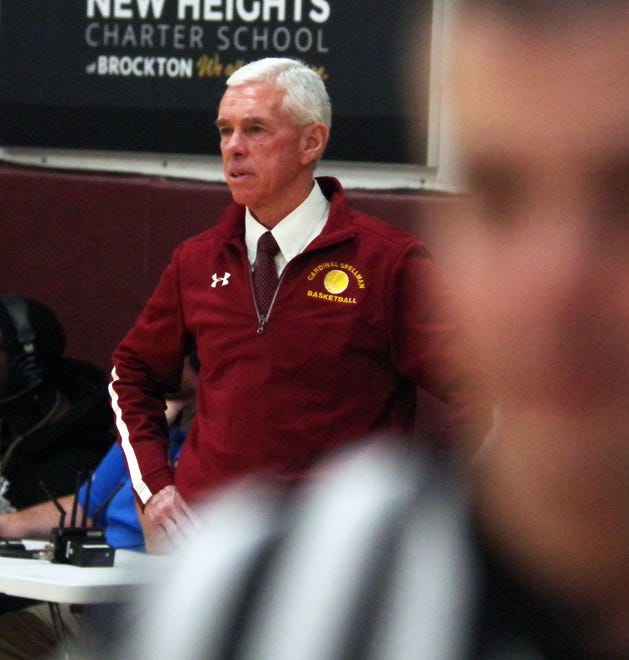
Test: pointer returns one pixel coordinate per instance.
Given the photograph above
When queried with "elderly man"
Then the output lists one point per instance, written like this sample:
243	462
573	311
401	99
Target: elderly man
313	322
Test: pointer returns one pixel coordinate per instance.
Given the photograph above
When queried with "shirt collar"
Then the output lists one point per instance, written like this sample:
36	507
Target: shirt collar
295	231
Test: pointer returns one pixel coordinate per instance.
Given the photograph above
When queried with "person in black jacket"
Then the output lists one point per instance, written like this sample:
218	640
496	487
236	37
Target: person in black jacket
55	418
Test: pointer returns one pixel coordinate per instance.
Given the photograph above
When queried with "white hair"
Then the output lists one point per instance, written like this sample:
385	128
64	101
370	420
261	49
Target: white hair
306	98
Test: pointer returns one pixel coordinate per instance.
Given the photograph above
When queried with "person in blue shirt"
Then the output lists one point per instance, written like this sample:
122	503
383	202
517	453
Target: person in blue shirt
120	517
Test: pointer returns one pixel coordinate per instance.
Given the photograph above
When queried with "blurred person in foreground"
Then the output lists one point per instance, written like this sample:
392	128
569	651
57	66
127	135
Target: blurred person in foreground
351	327
527	556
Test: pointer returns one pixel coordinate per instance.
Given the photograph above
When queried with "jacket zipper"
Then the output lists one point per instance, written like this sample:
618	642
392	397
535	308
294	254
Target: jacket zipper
264	318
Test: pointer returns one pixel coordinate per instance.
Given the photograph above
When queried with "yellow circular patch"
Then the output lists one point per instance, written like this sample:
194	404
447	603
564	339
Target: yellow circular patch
336	281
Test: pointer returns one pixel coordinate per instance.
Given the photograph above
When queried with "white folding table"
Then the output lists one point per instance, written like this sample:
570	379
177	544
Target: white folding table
43	580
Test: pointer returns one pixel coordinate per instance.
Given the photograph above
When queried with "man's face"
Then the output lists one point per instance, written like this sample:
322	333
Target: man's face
266	159
541	265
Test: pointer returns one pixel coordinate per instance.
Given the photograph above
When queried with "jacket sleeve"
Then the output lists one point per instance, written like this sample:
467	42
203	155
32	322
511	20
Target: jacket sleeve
147	364
428	346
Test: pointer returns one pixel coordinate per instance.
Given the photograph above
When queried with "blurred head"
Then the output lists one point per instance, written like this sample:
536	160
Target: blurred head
274	122
31	342
539	257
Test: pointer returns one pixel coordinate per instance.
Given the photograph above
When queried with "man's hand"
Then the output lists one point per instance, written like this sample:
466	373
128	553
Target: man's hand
168	520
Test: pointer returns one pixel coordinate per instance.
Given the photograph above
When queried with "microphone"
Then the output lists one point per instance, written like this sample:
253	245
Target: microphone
80	546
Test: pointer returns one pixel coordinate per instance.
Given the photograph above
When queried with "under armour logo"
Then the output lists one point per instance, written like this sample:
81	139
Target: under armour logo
216	279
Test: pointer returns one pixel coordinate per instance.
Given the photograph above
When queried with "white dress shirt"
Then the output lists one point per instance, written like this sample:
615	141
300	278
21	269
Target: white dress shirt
294	232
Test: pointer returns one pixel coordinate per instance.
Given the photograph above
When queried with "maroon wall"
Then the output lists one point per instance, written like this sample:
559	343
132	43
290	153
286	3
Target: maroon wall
92	246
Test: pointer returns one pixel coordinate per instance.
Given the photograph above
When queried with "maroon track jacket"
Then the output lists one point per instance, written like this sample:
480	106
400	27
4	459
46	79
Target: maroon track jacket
356	324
